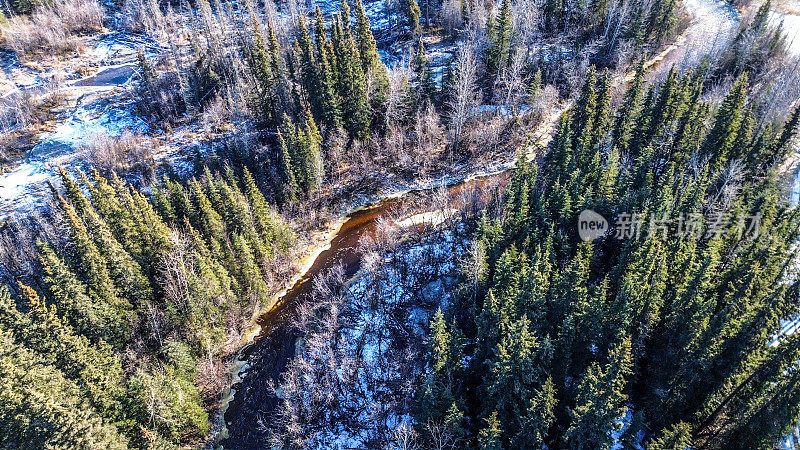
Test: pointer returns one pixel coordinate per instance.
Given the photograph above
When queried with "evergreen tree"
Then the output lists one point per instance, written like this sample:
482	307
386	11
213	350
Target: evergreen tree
373	68
499	51
677	437
289	186
489	436
426	85
411	8
351	82
600	401
262	69
630	108
40	408
720	140
329	100
788	133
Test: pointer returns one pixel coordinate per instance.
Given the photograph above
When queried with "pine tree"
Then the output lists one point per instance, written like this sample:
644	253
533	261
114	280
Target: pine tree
583	120
351	82
119	218
535	85
499	51
373	68
600	401
277	236
514	374
538	419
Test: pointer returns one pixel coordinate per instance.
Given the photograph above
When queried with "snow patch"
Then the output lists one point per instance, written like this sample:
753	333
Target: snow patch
431	218
25	185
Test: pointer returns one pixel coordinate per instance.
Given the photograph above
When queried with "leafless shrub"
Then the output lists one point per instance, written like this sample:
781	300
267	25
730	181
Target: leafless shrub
405	437
217	113
483	136
427	136
510	88
545	99
26	107
211	377
52	27
463	95
174	269
117	152
18	252
398	98
161	98
19	110
451	16
141	15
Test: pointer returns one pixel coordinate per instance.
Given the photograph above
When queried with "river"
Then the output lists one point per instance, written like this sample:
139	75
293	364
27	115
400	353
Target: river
266	357
262	361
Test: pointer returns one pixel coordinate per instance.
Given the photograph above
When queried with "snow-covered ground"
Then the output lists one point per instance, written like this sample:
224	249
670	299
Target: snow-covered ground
96	105
712	25
788	13
25	185
367	340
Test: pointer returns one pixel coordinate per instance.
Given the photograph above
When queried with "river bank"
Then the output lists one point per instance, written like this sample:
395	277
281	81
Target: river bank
264	358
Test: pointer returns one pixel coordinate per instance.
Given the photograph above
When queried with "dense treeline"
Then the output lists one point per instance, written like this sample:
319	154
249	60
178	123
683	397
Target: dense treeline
666	338
312	86
329	83
339	82
138	303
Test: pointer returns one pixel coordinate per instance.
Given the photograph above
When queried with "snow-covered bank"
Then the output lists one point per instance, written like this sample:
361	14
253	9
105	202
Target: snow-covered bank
789	17
24	186
95	105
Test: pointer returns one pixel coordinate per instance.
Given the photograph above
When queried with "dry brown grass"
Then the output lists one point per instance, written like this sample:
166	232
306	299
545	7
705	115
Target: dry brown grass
22	116
124	152
53	28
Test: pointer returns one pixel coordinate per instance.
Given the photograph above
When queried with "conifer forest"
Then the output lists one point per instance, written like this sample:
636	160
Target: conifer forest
400	224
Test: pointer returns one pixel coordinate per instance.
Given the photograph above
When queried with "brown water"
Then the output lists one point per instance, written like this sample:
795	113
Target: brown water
274	347
269	354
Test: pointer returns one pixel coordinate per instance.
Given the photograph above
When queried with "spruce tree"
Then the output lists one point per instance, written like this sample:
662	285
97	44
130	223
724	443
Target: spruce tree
600	401
426	85
499	51
351	82
329	99
720	140
372	66
40	408
411	8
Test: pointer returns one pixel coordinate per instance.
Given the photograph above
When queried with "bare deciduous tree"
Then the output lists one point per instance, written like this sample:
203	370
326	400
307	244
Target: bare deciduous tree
463	94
